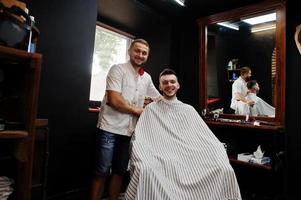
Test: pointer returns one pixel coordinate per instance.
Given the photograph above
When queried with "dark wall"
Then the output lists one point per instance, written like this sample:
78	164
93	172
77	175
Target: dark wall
293	71
258	56
66	42
184	59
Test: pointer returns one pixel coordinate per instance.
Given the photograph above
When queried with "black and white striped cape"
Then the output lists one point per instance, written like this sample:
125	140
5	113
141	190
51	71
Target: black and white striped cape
175	156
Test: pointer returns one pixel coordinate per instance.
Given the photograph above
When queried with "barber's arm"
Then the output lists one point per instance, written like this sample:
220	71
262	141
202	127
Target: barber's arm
153	92
240	97
116	101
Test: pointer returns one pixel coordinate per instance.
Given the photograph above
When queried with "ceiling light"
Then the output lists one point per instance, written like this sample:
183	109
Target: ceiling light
263	28
260	19
181	2
228	25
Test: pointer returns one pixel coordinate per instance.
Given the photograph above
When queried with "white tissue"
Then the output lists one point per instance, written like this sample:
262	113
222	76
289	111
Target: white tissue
244	157
258	153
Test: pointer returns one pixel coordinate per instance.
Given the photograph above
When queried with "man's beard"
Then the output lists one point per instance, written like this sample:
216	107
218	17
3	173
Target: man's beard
248	78
169	96
136	64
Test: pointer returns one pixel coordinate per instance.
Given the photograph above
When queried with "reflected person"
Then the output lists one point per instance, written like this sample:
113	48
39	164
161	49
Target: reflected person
260	107
239	102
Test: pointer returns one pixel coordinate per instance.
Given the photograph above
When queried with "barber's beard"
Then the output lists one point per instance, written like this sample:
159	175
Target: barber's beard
247	78
135	64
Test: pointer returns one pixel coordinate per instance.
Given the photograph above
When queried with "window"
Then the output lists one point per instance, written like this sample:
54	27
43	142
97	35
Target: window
110	47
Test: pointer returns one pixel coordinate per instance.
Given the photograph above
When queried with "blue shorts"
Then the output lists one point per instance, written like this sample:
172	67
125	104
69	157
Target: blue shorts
112	152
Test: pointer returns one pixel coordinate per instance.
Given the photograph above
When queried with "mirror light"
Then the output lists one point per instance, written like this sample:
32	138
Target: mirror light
181	2
263	28
260	19
228	25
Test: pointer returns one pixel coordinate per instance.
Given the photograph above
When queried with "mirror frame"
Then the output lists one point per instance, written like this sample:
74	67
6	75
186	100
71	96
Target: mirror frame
280	37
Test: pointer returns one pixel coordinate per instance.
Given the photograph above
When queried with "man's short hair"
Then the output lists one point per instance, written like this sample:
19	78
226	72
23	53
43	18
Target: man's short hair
251	84
139	40
167	71
244	70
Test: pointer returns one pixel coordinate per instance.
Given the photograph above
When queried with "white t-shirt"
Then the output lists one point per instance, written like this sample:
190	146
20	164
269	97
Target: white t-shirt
239	85
134	88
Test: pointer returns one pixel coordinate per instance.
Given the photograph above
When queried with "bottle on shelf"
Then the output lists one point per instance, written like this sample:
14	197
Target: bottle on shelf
31	45
234	77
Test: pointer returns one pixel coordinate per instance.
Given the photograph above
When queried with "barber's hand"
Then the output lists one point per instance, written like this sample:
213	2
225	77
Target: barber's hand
250	103
158	99
137	111
147	101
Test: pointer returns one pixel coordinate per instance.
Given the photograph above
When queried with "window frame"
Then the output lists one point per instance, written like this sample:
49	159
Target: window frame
95	105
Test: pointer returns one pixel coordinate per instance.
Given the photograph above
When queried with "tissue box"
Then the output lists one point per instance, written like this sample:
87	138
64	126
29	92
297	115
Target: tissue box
262	161
244	157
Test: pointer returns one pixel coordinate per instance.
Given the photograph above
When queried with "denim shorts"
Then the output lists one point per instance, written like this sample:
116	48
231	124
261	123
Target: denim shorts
112	153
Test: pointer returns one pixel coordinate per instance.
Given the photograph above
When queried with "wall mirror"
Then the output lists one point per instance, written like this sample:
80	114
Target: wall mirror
231	40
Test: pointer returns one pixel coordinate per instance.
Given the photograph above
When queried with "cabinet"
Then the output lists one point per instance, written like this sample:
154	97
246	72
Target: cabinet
40	160
19	87
257	181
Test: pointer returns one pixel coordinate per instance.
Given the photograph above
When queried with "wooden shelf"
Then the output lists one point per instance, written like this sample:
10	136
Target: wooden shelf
233	160
13	134
275	128
94	110
20	90
8	51
41	122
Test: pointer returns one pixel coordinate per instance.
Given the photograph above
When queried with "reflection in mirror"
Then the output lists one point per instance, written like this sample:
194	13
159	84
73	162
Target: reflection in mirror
248	41
253	37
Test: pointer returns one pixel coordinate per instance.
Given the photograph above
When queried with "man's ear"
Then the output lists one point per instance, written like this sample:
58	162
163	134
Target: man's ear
178	86
160	87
